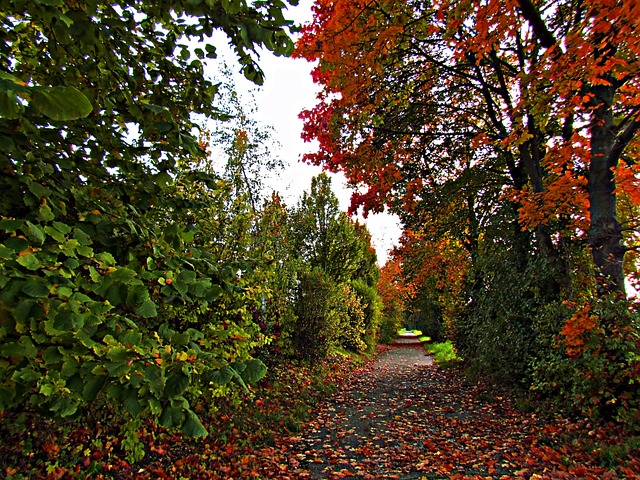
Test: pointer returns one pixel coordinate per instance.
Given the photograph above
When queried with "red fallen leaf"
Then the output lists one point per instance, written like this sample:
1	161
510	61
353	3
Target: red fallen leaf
580	471
159	450
51	447
430	446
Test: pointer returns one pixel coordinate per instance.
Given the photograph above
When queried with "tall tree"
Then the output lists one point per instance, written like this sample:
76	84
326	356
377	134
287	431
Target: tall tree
338	271
328	239
241	148
546	100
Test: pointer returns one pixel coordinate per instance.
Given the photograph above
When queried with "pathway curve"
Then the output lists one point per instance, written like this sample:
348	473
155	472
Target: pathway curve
403	417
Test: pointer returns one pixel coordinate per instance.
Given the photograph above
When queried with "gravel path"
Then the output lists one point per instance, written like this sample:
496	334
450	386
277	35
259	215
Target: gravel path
403	417
366	430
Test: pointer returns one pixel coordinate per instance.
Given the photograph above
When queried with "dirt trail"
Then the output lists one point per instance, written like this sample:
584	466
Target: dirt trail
403	417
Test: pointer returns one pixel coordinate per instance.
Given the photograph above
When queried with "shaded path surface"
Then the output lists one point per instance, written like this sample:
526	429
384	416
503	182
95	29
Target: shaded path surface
403	417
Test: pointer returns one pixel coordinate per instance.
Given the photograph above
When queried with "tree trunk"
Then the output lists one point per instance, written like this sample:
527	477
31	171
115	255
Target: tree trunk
605	232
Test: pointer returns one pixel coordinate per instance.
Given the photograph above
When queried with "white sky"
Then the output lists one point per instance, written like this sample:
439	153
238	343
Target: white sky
288	89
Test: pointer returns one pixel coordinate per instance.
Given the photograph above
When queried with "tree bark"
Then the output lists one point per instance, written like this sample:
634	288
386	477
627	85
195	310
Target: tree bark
605	232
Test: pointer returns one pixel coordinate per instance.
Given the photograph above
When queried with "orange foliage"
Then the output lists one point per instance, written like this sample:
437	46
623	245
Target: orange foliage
392	287
434	267
628	181
577	328
517	101
564	201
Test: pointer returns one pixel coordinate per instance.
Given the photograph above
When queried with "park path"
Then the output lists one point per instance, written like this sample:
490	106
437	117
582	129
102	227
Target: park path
403	417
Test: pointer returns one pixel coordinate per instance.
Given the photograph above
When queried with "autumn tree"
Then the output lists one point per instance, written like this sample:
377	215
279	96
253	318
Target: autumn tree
394	294
511	128
437	269
408	86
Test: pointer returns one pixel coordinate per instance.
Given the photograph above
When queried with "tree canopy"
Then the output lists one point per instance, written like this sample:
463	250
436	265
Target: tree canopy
505	135
535	102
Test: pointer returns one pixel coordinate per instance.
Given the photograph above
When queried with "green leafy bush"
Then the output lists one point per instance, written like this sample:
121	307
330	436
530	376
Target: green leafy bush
372	304
496	333
317	326
99	260
350	316
443	353
593	365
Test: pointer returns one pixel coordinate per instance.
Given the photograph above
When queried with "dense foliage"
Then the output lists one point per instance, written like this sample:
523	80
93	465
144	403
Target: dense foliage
140	276
505	136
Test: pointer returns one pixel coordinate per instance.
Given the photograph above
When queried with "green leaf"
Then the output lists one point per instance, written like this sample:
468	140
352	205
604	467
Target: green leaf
36	288
61	103
6	397
193	427
188	235
221	377
54	233
171	417
147	309
52	356
35	233
22	348
123	275
116	294
5	252
153	108
176	384
10	225
12	348
186	276
10	106
118	354
255	371
47	389
85	251
45	214
155	379
71	263
131	403
67	21
64	292
62	227
81	237
25	309
29	262
84	337
17	244
238	367
92	387
105	259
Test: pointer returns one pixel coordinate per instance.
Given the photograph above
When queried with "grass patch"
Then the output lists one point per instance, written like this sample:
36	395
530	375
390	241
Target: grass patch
424	339
415	332
443	353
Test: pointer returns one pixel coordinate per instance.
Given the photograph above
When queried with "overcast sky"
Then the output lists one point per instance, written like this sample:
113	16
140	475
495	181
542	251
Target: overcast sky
287	90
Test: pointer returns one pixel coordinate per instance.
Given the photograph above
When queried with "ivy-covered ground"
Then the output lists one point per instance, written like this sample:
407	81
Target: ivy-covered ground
399	416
